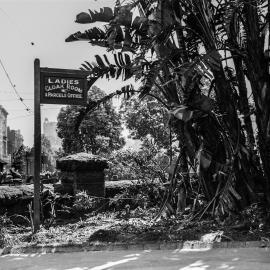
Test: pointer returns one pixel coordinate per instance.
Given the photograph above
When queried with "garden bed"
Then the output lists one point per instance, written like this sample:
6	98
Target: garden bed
139	226
124	222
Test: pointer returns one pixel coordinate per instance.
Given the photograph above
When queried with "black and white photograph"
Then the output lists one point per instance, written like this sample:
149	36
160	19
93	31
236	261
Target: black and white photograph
134	135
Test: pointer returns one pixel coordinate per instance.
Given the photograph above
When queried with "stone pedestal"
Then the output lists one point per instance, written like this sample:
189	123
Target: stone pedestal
83	171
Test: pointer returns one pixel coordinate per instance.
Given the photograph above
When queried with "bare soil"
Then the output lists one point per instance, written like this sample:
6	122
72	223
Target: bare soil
134	227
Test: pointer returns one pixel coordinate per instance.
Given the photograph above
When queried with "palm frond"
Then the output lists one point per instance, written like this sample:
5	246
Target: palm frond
122	66
127	91
149	78
92	35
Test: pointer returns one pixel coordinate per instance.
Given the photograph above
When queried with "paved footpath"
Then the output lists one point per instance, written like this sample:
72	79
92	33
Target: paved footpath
214	259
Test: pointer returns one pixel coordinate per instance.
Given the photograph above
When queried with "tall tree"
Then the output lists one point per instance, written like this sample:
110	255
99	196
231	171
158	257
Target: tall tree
147	119
18	159
100	132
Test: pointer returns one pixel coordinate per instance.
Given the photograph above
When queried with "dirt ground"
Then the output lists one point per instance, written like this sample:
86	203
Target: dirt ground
139	225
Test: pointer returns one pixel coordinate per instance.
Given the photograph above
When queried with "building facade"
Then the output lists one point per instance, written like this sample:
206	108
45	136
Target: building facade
49	130
15	140
4	159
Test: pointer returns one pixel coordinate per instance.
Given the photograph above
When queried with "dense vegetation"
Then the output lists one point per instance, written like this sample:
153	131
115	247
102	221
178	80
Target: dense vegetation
100	132
207	63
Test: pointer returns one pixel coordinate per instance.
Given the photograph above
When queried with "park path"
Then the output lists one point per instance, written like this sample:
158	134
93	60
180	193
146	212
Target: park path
228	259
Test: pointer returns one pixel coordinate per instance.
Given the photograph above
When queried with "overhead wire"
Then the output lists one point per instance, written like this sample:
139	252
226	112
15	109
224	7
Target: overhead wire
13	99
13	86
17	27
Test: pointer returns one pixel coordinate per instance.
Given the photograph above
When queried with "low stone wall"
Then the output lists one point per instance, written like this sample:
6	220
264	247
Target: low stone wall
15	199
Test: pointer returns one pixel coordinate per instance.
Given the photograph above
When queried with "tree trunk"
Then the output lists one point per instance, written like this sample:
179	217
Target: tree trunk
244	105
257	69
183	167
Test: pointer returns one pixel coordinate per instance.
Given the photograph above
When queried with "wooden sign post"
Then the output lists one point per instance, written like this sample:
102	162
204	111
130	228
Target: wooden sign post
37	145
54	86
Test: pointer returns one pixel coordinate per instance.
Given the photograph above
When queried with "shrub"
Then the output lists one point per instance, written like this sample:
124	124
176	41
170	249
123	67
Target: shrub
5	238
147	163
84	203
135	193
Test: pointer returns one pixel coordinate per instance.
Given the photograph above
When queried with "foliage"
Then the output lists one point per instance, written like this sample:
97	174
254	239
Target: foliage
3	223
144	194
46	147
6	238
46	153
18	159
146	164
100	132
147	119
121	166
180	49
84	203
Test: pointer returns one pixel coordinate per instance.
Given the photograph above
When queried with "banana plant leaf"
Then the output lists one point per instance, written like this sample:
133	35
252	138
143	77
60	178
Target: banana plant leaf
213	60
104	15
202	102
93	34
204	157
183	113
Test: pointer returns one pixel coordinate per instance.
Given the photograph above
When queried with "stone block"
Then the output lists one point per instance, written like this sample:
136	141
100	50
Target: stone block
81	162
83	172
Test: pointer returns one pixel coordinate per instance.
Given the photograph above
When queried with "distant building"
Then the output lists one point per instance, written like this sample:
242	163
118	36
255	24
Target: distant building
49	159
49	130
4	159
15	140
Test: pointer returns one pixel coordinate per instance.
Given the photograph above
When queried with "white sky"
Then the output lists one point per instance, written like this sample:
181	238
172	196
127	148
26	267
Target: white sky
46	23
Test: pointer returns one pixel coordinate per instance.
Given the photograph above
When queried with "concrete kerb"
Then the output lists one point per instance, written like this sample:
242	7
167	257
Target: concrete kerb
101	246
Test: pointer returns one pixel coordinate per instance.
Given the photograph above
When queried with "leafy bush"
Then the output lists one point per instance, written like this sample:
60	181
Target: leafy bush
135	194
121	166
85	203
5	238
149	166
148	163
255	216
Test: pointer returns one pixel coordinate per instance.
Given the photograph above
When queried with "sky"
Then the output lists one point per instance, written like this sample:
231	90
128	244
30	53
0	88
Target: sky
32	29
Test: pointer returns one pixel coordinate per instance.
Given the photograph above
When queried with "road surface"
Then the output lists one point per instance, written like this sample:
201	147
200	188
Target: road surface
223	259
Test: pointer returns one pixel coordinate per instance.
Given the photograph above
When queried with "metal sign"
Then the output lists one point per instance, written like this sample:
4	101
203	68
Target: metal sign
63	86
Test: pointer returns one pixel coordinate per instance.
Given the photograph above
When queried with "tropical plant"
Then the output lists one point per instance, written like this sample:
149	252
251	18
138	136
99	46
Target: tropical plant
246	24
178	49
